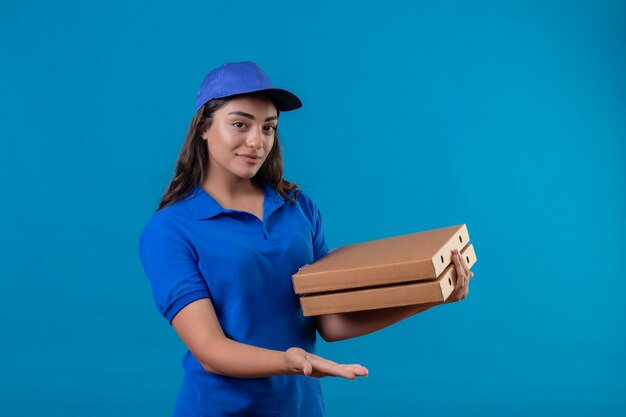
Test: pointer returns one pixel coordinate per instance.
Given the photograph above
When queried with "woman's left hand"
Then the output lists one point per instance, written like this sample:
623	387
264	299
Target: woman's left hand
463	276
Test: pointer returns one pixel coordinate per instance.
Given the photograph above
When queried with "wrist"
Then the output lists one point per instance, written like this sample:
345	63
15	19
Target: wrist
289	365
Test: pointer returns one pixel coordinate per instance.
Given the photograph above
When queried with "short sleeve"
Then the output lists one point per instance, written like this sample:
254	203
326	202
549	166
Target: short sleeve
320	249
172	271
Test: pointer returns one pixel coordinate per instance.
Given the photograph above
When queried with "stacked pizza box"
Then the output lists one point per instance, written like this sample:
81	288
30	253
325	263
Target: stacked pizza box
403	270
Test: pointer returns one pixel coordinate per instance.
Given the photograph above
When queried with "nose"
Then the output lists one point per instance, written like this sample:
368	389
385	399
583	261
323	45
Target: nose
254	139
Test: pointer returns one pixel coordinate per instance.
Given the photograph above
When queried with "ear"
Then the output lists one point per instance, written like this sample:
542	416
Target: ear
205	134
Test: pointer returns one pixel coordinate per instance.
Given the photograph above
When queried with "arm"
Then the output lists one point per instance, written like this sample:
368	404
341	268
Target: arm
198	327
341	326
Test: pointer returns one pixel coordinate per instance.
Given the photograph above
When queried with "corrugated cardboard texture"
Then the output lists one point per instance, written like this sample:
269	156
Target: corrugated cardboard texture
411	257
395	295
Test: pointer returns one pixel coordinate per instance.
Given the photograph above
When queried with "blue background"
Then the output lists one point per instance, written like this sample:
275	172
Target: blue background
509	118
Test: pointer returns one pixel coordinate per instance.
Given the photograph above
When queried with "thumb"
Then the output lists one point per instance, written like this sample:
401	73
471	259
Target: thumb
307	368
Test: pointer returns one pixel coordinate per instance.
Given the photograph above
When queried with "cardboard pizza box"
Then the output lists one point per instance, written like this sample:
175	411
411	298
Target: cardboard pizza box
411	257
391	295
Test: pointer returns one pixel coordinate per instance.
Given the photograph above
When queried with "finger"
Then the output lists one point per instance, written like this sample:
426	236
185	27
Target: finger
458	278
355	367
459	284
358	369
462	277
304	365
464	293
465	268
342	371
463	263
331	368
307	368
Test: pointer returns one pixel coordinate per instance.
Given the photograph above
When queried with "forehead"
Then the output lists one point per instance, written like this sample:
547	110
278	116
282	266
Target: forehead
255	105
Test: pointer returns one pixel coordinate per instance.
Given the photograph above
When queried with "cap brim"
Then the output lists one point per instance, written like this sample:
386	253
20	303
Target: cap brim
283	99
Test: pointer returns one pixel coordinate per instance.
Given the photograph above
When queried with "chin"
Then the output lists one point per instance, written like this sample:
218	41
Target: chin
246	175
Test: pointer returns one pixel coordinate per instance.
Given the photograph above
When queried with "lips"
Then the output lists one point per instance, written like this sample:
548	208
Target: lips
251	159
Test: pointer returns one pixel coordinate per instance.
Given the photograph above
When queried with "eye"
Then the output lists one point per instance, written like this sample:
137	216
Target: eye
239	124
270	128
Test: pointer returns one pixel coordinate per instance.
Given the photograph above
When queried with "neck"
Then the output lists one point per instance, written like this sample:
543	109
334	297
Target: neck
230	189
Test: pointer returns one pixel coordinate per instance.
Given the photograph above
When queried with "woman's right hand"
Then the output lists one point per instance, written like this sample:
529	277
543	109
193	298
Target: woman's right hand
299	361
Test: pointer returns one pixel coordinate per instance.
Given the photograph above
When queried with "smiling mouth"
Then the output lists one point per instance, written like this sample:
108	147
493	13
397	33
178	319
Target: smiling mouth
250	159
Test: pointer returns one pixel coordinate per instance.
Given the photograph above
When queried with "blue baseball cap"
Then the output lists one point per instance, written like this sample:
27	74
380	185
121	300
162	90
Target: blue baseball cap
243	77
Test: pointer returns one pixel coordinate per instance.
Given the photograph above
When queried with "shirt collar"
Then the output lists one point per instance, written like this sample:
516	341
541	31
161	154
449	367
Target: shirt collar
204	206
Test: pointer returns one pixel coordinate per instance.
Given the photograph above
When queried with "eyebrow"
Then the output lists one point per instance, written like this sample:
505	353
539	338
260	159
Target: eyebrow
249	116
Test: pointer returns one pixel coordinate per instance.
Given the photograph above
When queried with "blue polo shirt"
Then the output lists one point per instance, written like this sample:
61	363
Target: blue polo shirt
196	249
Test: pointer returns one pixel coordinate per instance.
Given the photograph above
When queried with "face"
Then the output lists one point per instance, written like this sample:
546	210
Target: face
241	136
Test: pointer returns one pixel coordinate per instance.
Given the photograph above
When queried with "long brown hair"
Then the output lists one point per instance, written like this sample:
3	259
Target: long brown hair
193	159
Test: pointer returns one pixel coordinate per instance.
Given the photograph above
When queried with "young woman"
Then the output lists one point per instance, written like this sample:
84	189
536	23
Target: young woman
220	251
